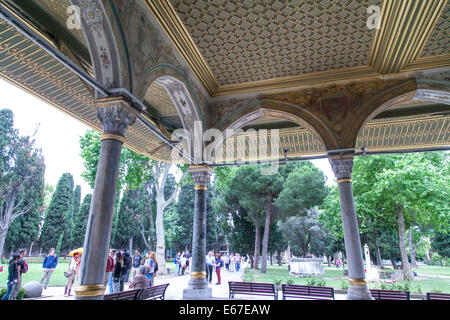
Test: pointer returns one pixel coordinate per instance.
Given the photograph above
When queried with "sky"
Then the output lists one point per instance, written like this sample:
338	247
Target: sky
58	135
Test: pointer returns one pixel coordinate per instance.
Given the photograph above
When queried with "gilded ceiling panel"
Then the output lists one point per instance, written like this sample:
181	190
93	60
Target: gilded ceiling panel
249	40
158	97
439	42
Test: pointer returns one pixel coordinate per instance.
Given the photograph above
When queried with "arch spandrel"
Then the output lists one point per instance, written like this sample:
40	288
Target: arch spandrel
106	56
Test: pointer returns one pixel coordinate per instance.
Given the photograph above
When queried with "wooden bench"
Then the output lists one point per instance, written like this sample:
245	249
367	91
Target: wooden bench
389	294
153	292
307	292
438	296
149	293
123	295
252	288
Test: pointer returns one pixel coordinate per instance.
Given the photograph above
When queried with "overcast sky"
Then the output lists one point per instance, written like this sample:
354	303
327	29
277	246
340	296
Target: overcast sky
58	135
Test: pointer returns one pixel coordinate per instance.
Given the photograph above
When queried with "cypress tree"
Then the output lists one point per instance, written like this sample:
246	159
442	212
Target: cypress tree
75	207
57	213
80	222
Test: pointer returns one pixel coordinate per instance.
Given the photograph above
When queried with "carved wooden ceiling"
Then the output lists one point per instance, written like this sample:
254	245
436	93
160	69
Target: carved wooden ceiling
250	47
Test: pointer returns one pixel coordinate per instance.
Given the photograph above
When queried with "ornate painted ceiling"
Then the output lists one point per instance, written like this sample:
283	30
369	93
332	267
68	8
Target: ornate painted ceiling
301	58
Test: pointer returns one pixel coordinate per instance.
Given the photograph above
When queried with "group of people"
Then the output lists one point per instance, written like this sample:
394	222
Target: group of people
216	263
182	262
16	268
120	264
118	268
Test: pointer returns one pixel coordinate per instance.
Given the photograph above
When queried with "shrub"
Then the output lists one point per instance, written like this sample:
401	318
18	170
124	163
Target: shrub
20	294
290	280
249	275
315	281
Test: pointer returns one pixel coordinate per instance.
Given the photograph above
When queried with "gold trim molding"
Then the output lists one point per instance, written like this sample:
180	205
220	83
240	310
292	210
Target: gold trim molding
89	290
404	28
357	282
198	274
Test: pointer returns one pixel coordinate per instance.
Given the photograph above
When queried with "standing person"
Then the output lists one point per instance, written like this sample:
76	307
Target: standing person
112	254
152	280
218	264
49	265
238	262
188	260
232	263
183	263
177	262
73	271
118	272
13	276
140	281
127	263
210	263
109	270
23	268
337	263
150	264
226	261
138	260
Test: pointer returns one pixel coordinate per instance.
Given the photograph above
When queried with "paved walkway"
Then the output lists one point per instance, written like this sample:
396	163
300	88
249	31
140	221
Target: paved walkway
177	284
174	290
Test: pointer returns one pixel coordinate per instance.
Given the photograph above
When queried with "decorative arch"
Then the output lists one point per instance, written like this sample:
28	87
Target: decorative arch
411	90
101	40
283	110
259	110
179	89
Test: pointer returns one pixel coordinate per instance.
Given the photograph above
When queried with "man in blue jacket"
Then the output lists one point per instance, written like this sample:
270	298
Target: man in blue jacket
49	265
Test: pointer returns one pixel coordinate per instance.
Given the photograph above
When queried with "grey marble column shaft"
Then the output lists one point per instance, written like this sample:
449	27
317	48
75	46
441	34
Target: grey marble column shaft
115	118
198	284
342	168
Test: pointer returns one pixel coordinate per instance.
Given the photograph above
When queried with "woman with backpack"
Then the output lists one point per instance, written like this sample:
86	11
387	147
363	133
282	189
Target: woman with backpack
150	264
13	276
218	264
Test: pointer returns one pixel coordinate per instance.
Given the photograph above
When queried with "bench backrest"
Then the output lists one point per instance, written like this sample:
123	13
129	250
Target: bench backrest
308	292
437	296
123	295
389	294
153	292
251	287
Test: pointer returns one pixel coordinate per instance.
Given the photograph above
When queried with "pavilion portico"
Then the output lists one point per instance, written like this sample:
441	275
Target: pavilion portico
312	79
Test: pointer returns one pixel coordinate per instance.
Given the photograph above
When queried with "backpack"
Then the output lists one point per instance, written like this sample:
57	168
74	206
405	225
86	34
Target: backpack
23	266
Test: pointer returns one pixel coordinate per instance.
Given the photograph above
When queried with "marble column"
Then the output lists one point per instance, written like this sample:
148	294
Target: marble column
342	166
116	115
198	285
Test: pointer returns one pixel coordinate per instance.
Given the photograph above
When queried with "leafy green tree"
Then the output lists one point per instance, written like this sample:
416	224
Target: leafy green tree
413	189
74	208
441	242
57	213
21	180
80	222
128	227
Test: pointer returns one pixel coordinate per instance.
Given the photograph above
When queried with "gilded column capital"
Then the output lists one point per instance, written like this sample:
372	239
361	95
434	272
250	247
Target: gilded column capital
342	166
201	176
115	115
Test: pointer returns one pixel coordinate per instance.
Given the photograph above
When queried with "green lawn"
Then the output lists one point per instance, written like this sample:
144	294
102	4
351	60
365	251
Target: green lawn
331	277
35	273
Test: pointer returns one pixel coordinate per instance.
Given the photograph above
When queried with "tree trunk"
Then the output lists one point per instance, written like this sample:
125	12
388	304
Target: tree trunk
378	253
413	248
265	244
2	241
394	264
130	245
402	244
160	238
257	247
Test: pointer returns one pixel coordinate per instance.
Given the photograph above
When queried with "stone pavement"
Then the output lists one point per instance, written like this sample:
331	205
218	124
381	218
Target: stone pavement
177	284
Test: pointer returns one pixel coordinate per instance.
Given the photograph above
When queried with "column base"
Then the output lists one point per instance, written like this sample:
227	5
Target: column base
197	294
358	292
